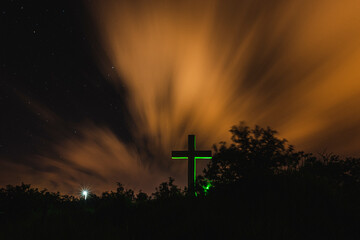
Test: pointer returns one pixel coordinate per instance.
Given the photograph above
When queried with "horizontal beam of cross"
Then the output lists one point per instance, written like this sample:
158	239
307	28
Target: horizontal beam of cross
187	154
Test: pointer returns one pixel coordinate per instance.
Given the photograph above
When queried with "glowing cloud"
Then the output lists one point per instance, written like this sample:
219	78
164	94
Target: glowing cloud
199	68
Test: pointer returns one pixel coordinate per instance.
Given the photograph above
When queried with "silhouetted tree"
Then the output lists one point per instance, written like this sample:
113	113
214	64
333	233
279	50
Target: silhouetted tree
254	152
335	170
120	194
141	197
167	190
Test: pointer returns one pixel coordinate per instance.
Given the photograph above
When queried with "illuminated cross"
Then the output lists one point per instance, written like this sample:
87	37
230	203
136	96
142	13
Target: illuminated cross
191	155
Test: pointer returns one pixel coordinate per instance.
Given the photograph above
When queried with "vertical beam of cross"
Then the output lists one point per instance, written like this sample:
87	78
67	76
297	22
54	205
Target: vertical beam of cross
191	155
191	162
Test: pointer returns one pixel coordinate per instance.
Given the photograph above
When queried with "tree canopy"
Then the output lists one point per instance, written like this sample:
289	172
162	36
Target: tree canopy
253	152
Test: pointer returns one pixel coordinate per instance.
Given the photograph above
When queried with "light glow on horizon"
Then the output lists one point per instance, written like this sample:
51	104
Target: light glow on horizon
85	193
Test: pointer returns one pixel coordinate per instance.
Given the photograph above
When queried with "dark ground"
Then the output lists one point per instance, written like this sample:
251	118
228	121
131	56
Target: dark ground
278	207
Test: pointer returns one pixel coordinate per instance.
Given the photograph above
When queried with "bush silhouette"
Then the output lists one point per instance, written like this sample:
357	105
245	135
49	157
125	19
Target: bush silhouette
258	187
167	190
253	152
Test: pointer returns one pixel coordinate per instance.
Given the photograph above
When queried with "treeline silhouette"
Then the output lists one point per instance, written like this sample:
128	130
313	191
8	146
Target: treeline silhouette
257	187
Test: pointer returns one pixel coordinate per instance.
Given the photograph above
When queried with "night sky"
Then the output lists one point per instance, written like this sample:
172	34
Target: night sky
98	92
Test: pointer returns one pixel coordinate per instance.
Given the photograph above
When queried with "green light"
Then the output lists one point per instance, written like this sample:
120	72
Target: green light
207	187
194	171
203	157
179	157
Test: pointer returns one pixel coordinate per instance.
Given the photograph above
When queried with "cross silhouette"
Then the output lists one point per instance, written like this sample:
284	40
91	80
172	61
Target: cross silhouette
191	155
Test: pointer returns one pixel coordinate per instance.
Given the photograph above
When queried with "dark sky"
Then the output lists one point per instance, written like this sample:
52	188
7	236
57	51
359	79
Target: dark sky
50	84
47	63
95	92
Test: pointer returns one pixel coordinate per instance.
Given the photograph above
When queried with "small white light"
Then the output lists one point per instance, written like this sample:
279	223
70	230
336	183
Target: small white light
85	193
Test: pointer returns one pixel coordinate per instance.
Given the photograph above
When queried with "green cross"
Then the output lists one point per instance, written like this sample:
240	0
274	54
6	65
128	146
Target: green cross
191	155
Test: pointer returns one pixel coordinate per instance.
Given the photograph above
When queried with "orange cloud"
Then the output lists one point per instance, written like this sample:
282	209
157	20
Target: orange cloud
200	68
95	158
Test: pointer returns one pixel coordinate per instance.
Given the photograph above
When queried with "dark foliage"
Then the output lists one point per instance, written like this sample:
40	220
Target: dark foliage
254	152
167	191
258	187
